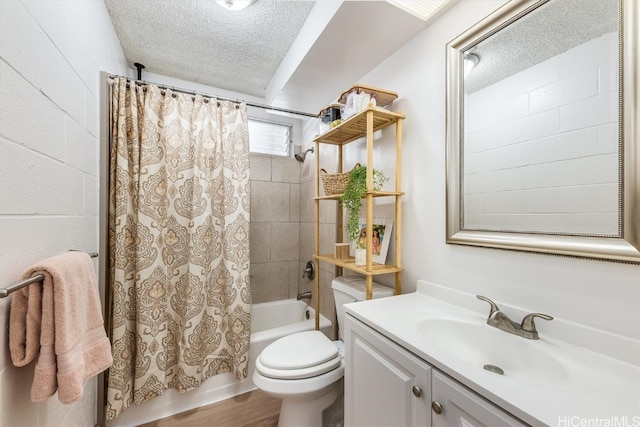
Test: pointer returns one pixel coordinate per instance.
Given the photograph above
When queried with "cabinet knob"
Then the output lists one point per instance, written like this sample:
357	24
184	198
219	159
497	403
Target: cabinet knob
417	391
436	407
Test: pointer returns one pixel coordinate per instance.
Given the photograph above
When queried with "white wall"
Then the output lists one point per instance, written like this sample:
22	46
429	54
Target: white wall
541	148
600	294
51	54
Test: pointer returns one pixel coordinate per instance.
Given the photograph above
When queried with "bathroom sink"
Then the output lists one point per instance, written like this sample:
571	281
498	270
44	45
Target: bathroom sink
498	352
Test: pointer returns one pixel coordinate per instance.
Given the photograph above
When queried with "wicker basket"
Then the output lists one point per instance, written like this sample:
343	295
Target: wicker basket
335	183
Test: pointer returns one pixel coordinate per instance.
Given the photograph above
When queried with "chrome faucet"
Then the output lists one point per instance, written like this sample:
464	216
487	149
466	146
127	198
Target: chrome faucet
526	329
304	295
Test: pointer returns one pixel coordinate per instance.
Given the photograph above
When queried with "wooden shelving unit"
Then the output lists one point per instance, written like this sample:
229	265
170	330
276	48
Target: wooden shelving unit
362	124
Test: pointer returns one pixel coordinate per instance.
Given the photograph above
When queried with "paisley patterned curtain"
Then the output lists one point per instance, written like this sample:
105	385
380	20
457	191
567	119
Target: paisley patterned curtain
179	242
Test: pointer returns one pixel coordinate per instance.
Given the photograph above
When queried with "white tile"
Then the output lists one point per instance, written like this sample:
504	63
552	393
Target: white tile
100	32
538	75
587	170
79	49
91	112
61	84
594	111
503	109
26	240
52	18
485	182
91	193
472	203
60	189
82	148
529	127
27	48
580	143
29	118
571	88
18	179
588	55
608	77
21	39
576	199
74	29
506	202
81	233
532	126
608	138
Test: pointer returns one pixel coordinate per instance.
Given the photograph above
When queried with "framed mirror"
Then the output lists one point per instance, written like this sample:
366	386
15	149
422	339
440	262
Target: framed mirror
542	130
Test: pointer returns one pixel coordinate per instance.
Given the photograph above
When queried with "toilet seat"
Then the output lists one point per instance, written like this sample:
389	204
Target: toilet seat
297	356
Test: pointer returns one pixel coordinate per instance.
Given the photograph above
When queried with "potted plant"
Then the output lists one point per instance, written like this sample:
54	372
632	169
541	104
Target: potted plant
352	197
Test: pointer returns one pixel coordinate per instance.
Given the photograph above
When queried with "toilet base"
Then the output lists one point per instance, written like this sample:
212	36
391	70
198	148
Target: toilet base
307	412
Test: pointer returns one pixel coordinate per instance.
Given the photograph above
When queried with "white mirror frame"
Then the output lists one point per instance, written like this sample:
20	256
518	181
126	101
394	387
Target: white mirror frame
626	247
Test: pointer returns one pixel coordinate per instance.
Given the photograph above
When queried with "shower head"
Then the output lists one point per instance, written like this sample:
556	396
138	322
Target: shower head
300	156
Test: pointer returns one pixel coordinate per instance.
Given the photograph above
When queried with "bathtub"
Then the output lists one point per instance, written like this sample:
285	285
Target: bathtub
269	321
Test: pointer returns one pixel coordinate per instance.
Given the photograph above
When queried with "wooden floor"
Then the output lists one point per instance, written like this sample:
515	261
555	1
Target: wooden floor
252	409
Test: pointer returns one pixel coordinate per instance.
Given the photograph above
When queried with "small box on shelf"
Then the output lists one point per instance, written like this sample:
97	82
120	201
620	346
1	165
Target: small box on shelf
342	251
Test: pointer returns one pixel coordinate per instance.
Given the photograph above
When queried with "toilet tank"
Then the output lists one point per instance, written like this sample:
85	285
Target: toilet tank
351	289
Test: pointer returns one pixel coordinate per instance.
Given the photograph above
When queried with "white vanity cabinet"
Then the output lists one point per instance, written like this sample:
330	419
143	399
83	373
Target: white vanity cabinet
386	385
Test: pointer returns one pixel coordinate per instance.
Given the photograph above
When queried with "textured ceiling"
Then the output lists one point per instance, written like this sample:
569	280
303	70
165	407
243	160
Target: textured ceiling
553	28
293	54
200	41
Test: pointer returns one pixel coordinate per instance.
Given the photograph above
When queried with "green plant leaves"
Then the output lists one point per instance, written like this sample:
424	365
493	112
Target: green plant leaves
352	196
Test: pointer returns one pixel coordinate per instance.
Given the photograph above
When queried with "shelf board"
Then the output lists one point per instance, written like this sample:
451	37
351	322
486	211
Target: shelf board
350	264
356	126
374	193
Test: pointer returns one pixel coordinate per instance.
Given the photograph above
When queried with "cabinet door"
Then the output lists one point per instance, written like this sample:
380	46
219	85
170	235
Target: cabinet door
460	407
384	384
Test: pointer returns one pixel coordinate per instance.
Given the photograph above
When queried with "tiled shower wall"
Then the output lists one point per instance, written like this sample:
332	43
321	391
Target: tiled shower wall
282	230
275	228
327	239
327	219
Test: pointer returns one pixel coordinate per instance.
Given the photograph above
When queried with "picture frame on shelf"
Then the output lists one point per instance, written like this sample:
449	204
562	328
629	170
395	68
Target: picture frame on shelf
382	229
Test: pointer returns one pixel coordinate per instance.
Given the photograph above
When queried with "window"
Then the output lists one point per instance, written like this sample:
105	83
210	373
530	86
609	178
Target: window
269	138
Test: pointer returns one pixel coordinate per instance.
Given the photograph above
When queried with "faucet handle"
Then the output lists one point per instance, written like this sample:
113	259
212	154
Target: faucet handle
494	307
528	324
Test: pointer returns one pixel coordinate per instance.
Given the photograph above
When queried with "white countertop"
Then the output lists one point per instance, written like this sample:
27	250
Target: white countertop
592	387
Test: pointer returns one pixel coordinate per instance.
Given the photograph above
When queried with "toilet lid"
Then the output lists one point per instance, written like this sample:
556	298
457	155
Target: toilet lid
302	355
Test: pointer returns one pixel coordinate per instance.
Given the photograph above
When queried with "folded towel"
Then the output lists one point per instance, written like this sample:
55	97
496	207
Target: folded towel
59	320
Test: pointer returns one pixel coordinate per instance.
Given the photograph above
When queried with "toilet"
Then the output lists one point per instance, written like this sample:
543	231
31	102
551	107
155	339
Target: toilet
305	369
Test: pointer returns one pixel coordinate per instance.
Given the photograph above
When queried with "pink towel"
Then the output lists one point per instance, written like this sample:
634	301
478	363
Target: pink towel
59	320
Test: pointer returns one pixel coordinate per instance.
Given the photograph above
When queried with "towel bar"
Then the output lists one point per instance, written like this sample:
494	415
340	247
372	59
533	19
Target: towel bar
4	292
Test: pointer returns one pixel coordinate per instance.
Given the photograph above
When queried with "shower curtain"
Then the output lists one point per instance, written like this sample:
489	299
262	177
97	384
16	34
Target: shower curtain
179	242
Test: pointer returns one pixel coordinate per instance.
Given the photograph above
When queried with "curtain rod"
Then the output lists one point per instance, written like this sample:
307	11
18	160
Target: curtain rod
192	92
